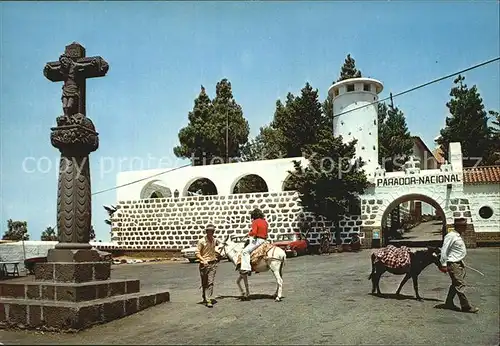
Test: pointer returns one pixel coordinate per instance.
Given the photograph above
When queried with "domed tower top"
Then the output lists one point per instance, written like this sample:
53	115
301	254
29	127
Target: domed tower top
355	116
355	85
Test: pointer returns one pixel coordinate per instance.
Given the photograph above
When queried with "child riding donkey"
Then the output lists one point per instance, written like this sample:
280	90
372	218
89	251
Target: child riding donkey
258	236
257	256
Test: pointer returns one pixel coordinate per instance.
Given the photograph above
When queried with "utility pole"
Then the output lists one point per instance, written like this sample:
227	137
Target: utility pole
392	102
227	136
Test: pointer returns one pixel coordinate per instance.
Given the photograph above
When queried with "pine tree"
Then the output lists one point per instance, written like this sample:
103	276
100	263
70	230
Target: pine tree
494	151
300	121
467	124
267	145
227	114
395	141
49	234
195	137
204	138
16	230
92	233
348	70
329	184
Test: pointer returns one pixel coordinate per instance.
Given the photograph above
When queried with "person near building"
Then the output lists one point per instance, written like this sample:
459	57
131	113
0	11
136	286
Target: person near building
207	254
453	253
258	235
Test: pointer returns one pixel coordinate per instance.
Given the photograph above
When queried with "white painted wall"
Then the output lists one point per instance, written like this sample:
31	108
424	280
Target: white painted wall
484	195
224	176
361	124
15	252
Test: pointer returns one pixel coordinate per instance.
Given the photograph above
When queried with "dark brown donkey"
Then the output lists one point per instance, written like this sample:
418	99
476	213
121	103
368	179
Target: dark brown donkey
419	260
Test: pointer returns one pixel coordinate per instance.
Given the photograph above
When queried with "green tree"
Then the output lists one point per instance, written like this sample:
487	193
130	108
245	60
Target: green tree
348	70
49	234
495	128
203	140
195	138
297	123
92	232
16	230
495	137
267	145
227	114
300	121
467	124
330	183
395	141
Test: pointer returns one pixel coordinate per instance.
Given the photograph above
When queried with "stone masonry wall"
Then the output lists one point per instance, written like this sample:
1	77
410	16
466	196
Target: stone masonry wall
173	223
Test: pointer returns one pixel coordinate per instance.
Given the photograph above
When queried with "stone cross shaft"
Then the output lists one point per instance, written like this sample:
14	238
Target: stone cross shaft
75	137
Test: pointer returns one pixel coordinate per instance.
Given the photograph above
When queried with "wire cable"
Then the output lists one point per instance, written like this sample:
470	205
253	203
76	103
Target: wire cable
348	111
139	180
420	86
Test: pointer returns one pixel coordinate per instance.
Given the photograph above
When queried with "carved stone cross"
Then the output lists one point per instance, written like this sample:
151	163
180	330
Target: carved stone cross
75	137
74	68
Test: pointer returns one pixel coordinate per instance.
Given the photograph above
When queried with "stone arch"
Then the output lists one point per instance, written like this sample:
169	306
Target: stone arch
206	185
248	182
155	189
440	210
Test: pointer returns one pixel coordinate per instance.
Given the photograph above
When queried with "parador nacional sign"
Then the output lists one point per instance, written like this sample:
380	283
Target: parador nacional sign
437	179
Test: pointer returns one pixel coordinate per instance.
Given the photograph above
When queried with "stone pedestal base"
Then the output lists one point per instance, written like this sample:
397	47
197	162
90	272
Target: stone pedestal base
71	296
71	255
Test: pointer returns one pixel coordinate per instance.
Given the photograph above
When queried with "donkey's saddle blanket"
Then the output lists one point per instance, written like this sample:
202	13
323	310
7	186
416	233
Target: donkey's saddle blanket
258	254
393	257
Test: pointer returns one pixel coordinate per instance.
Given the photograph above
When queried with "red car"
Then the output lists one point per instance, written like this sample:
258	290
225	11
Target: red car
293	243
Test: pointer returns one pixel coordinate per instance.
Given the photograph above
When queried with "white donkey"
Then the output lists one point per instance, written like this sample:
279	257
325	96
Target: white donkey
274	260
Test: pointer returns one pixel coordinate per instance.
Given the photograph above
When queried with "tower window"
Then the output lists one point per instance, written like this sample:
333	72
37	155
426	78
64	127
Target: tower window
350	87
366	87
336	92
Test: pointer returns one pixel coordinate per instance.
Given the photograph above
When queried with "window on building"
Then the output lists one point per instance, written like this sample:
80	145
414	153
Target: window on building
485	212
336	92
350	87
366	87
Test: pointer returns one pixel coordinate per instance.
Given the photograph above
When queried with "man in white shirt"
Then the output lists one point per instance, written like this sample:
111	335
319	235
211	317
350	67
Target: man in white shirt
453	253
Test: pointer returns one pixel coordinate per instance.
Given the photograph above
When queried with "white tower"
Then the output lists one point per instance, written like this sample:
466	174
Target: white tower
361	124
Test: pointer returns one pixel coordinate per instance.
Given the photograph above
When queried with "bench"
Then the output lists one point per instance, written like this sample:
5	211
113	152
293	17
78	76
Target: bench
4	271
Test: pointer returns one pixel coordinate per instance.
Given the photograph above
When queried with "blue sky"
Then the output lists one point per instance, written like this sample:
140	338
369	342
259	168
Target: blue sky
161	52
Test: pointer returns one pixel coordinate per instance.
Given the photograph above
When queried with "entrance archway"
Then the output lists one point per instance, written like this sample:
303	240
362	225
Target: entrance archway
155	189
417	226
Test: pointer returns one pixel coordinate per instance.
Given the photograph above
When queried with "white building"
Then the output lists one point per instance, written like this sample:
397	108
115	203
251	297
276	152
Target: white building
150	216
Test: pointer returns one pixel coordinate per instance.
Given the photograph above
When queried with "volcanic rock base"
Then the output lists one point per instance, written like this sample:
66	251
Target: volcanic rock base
70	297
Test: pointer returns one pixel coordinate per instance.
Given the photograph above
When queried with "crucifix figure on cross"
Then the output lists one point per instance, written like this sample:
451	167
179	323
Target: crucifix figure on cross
73	68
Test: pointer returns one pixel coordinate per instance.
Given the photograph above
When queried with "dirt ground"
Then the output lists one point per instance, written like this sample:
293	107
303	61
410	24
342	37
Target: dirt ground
326	301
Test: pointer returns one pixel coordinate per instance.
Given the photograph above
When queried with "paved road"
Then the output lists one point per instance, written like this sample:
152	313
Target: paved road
327	301
430	230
